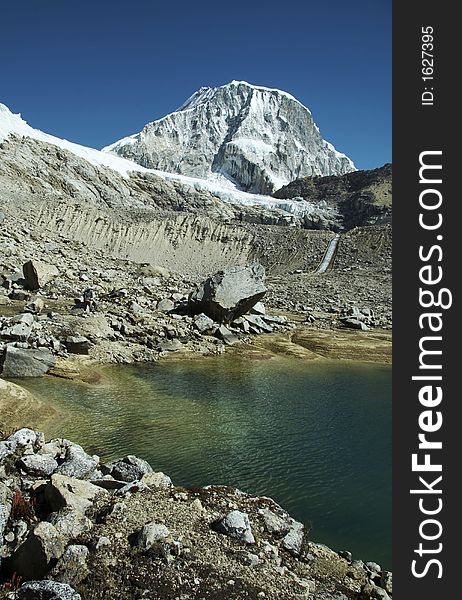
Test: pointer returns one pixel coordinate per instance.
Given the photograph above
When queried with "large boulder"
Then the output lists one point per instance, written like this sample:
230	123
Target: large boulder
128	469
77	463
293	540
150	534
37	274
72	567
35	556
21	362
229	294
70	523
38	465
68	492
236	524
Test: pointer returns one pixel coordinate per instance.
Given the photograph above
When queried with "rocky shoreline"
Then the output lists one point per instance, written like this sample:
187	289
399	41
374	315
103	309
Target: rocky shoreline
73	528
142	312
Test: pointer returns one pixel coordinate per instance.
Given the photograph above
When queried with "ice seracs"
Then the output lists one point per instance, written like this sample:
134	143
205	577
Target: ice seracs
250	137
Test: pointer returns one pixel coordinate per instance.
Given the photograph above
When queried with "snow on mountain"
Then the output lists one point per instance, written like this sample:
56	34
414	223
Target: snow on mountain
251	137
13	124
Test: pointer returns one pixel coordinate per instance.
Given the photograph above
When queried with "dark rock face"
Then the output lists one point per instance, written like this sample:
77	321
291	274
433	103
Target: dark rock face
361	197
229	294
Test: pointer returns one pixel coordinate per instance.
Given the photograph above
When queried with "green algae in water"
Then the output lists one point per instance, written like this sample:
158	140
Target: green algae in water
316	437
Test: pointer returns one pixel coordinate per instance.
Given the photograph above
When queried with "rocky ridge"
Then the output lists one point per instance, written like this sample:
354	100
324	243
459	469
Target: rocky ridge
360	198
75	528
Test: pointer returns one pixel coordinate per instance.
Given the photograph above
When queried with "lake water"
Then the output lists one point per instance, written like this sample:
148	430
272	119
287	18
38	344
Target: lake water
316	437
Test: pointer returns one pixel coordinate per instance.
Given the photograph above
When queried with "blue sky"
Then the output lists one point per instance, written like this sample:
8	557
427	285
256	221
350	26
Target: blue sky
95	71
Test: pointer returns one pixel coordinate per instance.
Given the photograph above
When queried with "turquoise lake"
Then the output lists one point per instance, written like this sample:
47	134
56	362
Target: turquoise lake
315	436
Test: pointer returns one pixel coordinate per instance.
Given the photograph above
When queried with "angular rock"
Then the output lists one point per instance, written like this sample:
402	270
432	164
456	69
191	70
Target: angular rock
35	306
37	274
26	437
72	567
70	523
354	323
236	524
62	492
26	318
47	590
20	331
229	294
77	463
374	568
203	323
128	469
6	449
380	594
258	309
386	581
132	488
227	336
275	524
20	362
34	557
166	305
242	324
157	480
78	344
259	323
38	465
150	534
6	497
293	540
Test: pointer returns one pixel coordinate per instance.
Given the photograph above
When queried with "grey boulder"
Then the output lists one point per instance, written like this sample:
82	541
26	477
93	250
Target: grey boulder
77	463
38	465
78	344
37	274
128	469
150	534
203	323
47	590
236	524
229	294
35	556
293	540
68	492
20	362
72	567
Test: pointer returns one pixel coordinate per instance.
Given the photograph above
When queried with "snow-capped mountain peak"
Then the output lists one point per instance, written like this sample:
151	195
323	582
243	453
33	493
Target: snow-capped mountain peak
255	137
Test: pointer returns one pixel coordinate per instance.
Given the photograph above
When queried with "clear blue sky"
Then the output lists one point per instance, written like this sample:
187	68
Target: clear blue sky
95	71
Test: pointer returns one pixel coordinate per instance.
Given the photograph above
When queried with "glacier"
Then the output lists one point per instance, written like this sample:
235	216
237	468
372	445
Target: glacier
222	188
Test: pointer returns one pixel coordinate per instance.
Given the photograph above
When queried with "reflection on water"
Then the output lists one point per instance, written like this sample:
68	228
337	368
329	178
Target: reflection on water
314	436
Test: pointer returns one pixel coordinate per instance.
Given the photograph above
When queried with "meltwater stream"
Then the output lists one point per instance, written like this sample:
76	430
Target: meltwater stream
316	437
